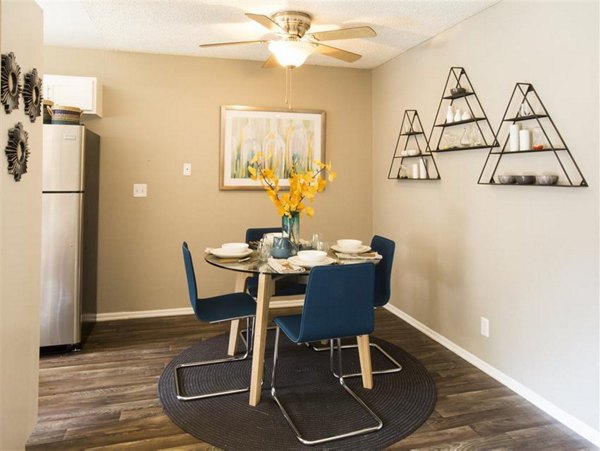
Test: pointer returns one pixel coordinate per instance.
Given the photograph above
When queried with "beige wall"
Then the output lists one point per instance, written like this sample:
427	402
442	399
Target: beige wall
524	257
20	212
162	111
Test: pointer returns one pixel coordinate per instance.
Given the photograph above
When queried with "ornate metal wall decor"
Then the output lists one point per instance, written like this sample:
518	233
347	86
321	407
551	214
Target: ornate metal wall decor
10	83
17	151
32	95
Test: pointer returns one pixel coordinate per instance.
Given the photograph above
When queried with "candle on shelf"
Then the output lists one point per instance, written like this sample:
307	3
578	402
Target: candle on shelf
423	168
525	140
514	137
414	171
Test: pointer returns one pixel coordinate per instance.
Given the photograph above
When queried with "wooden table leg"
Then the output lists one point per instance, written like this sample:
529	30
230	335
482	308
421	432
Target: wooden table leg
364	354
260	336
234	330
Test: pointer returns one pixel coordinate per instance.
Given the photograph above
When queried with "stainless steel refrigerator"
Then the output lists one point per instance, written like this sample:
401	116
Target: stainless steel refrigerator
70	186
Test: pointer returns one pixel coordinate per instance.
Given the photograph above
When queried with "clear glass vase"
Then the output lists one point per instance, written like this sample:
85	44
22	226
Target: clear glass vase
290	228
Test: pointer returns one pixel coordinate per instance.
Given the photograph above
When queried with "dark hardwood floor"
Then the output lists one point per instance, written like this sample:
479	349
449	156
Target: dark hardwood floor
104	397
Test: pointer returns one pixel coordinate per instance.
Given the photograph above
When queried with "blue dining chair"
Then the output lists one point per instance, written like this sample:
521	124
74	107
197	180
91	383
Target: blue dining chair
286	286
212	310
338	303
383	274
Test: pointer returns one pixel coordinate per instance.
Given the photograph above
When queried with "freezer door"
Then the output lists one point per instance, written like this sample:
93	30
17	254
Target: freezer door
63	158
60	308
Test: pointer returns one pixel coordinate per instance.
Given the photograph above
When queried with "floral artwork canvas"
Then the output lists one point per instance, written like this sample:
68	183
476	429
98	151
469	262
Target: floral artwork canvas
290	139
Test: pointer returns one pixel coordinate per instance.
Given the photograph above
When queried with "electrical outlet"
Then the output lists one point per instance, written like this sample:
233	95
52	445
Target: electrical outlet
140	190
485	327
187	168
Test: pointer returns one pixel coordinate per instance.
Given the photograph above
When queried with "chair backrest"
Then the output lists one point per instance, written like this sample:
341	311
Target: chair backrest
383	270
257	234
338	302
190	274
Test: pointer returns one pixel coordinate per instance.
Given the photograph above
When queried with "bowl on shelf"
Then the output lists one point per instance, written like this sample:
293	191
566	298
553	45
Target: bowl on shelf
525	179
349	244
312	256
457	91
506	179
546	179
235	246
412	152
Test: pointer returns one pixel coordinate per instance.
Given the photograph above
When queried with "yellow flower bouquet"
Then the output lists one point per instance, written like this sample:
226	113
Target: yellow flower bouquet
304	185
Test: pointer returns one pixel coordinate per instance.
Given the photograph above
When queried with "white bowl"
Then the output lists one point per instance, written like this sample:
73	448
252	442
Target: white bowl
312	256
349	244
236	246
225	252
412	152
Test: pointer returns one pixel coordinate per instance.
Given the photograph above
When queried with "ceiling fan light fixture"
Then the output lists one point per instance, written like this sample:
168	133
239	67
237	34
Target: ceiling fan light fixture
291	53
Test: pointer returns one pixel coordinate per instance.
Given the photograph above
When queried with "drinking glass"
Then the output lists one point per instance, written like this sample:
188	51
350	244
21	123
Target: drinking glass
315	240
264	250
322	246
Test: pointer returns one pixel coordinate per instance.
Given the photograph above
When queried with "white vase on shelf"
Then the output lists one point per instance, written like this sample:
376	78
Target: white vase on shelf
450	114
457	115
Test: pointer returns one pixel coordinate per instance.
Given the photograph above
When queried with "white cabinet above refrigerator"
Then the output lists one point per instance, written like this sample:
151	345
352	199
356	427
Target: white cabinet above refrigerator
82	92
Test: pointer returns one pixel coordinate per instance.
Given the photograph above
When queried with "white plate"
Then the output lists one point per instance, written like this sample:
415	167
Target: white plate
359	250
230	253
295	260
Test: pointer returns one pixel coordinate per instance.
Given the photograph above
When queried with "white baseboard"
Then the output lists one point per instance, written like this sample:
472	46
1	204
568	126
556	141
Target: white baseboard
551	409
144	314
182	311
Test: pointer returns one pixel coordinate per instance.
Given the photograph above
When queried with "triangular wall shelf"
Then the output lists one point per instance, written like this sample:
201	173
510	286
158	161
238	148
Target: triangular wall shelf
412	159
540	139
476	132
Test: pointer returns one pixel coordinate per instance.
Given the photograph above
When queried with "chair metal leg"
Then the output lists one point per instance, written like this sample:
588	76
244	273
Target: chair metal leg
379	423
178	384
397	367
245	331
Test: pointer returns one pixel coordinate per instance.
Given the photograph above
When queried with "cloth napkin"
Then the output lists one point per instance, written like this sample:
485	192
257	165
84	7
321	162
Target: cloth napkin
364	256
284	266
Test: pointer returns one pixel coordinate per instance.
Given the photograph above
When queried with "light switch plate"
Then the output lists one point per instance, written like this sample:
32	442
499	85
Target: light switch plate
187	168
485	327
140	190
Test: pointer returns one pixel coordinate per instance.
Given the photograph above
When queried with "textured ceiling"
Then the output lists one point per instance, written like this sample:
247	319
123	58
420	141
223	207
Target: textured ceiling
178	26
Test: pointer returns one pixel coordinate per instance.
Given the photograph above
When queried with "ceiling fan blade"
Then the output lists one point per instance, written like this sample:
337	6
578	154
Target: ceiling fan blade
266	22
344	33
270	63
340	54
222	44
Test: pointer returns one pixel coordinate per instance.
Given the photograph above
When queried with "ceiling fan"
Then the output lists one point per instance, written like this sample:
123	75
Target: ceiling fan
294	44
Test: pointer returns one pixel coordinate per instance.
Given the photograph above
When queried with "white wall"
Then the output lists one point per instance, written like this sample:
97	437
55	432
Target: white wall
524	257
21	28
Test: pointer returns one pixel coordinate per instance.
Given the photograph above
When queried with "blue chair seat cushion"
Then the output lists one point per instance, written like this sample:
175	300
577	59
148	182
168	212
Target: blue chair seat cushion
288	286
290	325
225	307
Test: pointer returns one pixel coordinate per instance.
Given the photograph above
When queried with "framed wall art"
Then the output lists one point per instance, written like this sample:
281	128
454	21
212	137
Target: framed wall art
290	138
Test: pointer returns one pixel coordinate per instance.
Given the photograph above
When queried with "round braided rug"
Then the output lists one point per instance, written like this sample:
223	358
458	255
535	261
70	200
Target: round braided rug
311	395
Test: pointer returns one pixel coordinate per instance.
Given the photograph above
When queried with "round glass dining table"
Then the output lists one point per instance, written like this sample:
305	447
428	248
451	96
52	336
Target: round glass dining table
243	267
266	275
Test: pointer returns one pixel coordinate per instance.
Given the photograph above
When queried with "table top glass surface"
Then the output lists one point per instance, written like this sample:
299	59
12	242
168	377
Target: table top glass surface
252	265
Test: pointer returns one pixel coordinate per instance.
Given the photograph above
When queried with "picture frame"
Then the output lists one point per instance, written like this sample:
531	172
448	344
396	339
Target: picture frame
287	137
